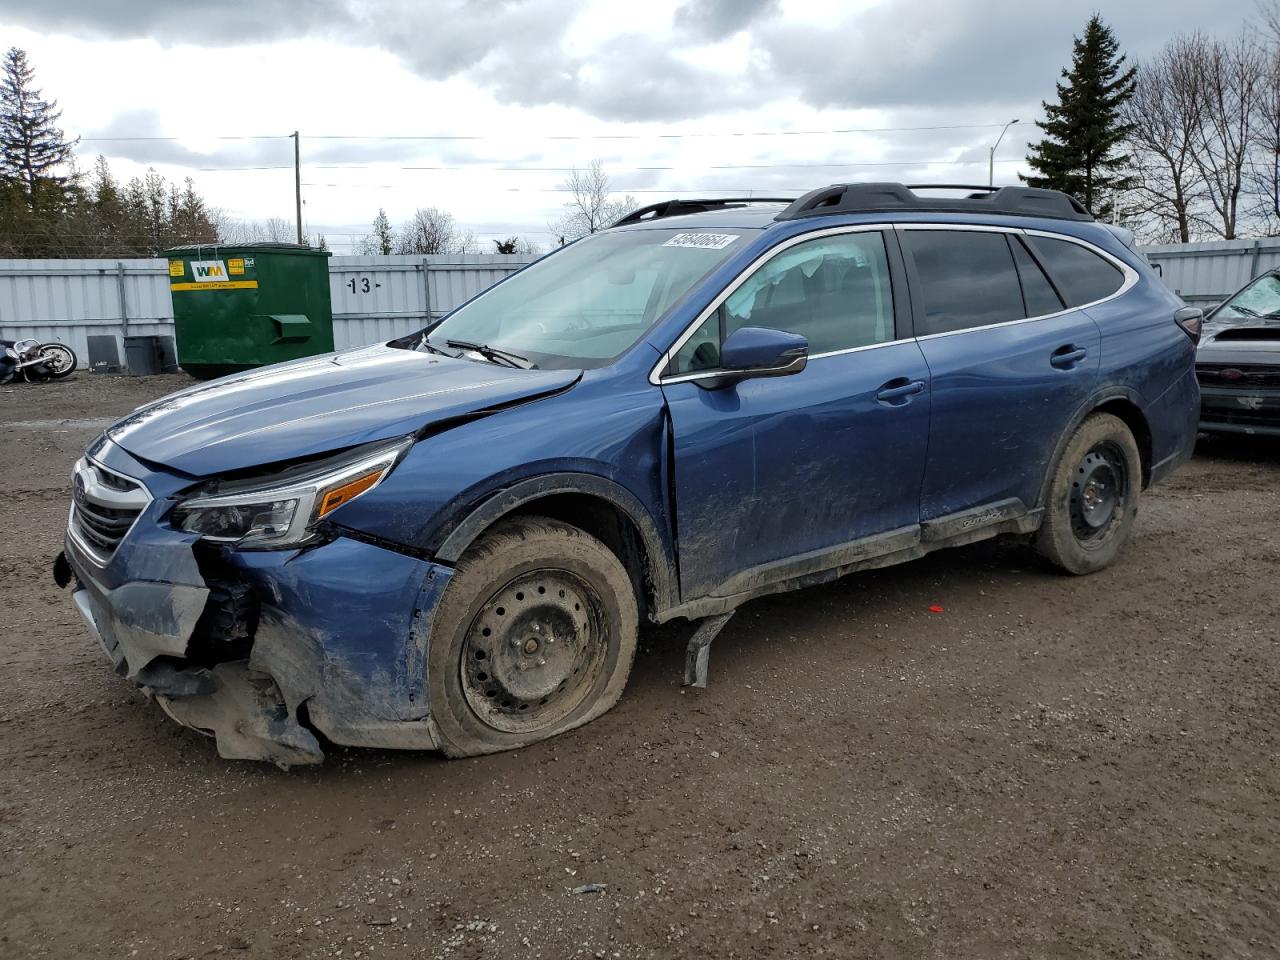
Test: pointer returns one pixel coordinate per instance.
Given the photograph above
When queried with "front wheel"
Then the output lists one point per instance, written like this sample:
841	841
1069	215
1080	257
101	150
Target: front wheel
1093	497
534	636
59	358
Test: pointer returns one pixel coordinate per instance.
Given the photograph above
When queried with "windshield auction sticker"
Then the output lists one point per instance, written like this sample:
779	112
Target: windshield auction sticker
703	241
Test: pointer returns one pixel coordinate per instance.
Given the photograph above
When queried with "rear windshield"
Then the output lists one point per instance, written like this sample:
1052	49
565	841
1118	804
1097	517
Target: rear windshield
588	303
1260	300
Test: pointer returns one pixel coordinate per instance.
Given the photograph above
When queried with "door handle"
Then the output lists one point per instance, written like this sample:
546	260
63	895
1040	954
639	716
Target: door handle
1064	358
900	390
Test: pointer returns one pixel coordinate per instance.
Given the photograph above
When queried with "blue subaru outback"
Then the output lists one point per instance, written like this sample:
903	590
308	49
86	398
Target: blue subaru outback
448	541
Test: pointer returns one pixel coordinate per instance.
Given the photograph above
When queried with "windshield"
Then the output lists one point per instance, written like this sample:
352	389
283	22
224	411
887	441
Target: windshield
1258	301
588	303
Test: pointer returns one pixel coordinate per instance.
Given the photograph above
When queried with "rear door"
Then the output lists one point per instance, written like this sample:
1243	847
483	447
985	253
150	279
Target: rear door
772	475
1009	364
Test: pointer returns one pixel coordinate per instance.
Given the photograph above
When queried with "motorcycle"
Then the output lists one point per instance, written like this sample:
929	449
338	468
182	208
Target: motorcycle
36	361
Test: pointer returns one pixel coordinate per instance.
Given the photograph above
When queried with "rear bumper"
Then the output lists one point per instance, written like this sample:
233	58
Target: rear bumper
1245	410
335	643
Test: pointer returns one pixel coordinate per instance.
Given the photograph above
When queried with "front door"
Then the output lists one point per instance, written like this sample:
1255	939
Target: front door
773	474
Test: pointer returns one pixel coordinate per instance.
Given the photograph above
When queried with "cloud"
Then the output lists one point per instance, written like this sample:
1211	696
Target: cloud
717	19
141	123
952	53
992	56
626	78
206	23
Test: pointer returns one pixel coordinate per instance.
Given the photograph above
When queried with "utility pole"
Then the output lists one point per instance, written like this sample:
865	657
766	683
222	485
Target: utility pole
297	179
991	155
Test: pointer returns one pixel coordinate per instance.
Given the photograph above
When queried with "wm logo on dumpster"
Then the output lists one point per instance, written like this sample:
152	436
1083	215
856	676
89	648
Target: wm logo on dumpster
209	271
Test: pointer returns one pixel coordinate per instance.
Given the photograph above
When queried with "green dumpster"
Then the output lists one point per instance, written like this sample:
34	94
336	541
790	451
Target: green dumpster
242	306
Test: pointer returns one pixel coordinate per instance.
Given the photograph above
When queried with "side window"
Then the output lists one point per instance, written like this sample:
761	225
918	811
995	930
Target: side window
966	279
1081	275
834	291
1037	291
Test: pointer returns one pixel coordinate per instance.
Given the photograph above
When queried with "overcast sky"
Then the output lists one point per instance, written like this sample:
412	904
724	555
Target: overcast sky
674	96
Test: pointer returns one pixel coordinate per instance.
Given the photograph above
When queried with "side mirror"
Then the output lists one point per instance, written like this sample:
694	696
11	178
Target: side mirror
752	352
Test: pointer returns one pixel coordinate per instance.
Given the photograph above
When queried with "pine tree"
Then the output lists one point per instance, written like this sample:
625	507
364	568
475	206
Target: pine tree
32	146
382	240
1084	129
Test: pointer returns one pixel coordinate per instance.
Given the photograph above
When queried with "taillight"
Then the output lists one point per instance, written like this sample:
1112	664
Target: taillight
1190	319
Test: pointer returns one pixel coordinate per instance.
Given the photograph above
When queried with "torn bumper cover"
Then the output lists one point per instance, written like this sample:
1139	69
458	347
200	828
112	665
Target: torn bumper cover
334	645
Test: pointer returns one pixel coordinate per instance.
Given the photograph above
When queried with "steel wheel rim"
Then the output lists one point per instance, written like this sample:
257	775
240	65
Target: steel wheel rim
534	651
1099	488
57	357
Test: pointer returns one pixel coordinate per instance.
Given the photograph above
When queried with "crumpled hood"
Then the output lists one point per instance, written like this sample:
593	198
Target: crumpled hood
320	404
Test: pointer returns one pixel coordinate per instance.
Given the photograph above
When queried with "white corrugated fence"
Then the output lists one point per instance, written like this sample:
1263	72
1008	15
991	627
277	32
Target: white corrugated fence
374	298
1204	274
377	298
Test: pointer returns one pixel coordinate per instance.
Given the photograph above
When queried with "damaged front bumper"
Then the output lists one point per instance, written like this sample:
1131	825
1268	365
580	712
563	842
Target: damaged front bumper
269	652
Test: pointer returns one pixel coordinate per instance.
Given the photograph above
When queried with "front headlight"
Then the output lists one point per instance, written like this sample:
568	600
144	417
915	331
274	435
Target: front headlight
282	512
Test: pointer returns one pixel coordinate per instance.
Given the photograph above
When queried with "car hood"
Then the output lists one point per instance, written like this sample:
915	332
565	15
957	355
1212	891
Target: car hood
1250	342
321	404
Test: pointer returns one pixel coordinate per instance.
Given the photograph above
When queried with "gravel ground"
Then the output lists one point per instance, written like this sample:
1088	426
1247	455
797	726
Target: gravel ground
1050	767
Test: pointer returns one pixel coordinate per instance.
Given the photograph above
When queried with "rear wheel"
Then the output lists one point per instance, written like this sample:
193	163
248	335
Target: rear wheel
535	635
1093	497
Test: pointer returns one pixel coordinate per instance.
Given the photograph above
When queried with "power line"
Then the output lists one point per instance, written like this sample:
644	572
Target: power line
615	169
263	136
553	136
661	136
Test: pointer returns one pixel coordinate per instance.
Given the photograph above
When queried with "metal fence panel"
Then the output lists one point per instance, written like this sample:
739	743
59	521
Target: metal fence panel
378	298
1204	274
70	300
374	298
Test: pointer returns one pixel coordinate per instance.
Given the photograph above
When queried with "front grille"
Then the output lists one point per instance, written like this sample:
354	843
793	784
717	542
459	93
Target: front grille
1226	375
104	507
1263	418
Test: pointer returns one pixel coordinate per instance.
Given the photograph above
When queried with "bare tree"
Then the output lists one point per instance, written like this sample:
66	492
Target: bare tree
1264	174
271	230
432	230
1231	73
1165	118
591	205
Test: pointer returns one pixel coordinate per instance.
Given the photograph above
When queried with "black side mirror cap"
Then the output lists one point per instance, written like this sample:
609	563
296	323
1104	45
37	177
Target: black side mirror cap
752	352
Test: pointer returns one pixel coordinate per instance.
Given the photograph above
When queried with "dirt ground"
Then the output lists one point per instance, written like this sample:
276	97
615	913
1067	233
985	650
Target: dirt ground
1051	767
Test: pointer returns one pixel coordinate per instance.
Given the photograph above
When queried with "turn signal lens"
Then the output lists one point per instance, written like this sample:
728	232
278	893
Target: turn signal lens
336	497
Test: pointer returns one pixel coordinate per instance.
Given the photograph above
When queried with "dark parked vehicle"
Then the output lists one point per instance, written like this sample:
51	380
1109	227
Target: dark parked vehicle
447	541
1238	362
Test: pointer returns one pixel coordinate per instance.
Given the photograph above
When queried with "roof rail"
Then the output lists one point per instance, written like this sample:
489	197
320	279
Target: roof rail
897	197
676	208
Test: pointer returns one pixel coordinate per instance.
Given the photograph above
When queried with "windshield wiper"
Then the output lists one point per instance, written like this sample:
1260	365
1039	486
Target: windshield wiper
1240	308
425	344
493	353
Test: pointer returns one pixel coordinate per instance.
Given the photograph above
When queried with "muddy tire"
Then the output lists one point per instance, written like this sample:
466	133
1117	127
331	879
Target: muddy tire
1093	497
535	635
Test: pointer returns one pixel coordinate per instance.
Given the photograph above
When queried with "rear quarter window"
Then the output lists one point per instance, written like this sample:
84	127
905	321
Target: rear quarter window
1080	274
